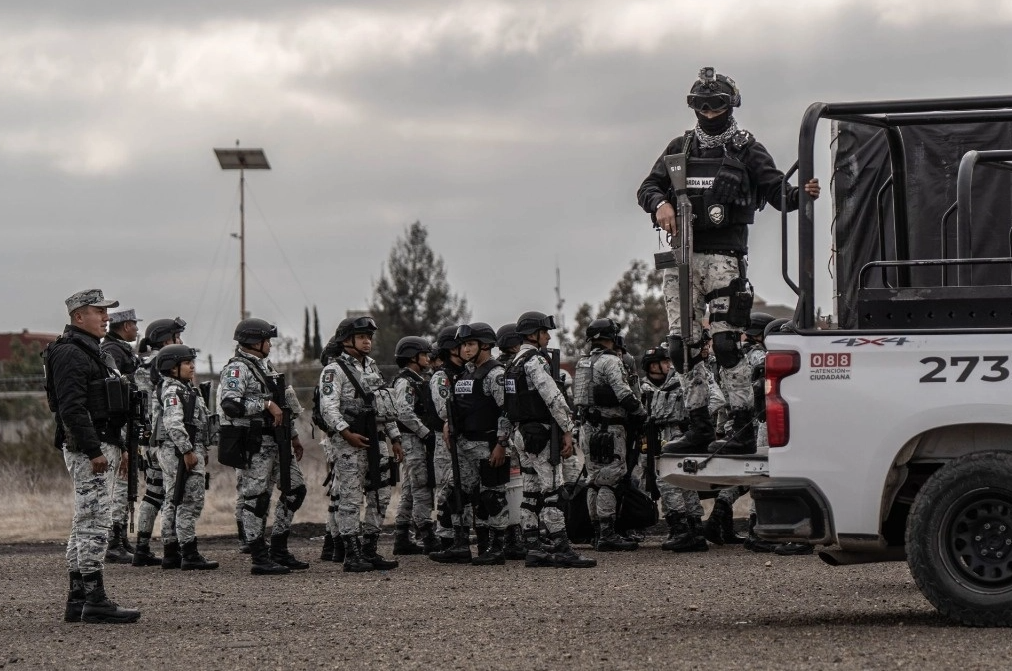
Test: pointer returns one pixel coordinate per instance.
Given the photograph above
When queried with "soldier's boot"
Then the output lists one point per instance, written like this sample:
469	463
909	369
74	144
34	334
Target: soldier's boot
635	535
403	545
171	558
192	560
673	530
75	598
459	552
699	543
115	553
280	555
596	538
124	539
430	543
495	554
513	547
260	559
327	553
611	541
727	531
793	549
244	547
537	554
339	550
564	556
354	562
143	556
697	438
445	542
713	528
753	543
742	440
99	608
680	537
484	539
369	542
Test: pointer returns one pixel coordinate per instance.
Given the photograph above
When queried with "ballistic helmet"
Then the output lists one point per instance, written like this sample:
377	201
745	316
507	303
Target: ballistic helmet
161	330
171	356
252	331
774	326
758	320
507	337
654	355
713	92
603	329
479	331
531	322
409	347
350	326
446	339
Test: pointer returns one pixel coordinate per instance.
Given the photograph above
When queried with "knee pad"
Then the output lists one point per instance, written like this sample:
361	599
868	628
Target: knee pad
261	504
531	502
493	502
676	352
727	348
444	517
155	499
295	498
555	499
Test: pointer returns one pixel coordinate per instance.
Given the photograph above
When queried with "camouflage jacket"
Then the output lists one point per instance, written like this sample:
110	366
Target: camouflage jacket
340	403
539	376
174	395
242	395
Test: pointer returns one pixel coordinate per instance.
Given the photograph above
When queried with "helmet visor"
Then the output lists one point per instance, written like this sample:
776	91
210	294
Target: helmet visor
178	324
364	324
709	102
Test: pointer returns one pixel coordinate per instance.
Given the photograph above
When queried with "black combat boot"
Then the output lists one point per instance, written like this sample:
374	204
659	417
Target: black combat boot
280	555
793	549
679	537
170	556
459	552
563	555
742	438
115	553
495	553
697	437
696	530
142	553
124	539
537	554
339	553
244	547
98	608
261	562
327	553
610	540
484	539
369	542
727	531
75	598
192	560
753	543
513	548
354	562
430	543
403	545
713	528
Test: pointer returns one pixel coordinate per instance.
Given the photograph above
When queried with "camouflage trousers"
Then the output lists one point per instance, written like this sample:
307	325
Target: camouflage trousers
604	471
255	486
546	483
416	495
351	469
443	466
487	501
179	523
89	531
332	485
120	489
154	492
731	494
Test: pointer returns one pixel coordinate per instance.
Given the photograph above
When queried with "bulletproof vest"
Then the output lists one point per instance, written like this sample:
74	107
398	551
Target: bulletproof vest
130	360
187	396
523	402
478	412
699	174
424	408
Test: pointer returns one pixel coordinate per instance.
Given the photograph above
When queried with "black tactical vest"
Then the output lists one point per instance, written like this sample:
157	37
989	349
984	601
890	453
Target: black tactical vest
478	413
524	403
424	408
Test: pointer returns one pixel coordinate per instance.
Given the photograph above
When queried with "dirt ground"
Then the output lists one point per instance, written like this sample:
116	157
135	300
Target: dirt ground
724	609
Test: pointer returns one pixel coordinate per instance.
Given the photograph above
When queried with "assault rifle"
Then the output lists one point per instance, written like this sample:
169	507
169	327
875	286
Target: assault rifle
283	435
136	402
189	410
555	446
680	255
451	423
365	424
653	437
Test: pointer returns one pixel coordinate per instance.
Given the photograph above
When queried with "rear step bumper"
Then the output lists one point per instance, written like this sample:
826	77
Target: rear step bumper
792	510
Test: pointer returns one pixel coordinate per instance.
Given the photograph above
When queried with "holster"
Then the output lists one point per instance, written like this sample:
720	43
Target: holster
535	436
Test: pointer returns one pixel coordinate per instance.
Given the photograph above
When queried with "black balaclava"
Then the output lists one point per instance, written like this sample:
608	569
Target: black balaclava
716	125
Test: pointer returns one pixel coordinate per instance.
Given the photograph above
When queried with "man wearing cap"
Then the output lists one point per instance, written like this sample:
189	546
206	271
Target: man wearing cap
118	344
89	432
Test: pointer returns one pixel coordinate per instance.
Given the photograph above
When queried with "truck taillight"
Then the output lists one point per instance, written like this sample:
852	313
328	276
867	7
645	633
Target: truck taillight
778	366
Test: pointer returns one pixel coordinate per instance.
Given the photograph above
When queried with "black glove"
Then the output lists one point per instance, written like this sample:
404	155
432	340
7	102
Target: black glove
731	184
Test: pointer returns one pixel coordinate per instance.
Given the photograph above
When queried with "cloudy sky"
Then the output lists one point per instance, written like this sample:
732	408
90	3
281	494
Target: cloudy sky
517	132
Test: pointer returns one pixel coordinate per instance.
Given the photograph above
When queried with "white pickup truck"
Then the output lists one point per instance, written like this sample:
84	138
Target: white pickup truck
892	439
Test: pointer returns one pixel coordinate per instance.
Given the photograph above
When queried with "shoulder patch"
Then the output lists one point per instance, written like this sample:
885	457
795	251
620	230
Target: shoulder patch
327	389
171	400
328	376
235	372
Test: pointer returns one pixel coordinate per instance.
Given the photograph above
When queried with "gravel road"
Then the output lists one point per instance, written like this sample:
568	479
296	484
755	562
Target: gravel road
726	609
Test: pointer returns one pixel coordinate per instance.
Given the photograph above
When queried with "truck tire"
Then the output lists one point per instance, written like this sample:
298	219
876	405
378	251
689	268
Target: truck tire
959	539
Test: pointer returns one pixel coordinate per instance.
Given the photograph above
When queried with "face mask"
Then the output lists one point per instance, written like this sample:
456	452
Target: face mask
714	126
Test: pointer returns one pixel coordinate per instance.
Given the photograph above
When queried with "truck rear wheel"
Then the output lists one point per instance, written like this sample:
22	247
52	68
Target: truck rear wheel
959	539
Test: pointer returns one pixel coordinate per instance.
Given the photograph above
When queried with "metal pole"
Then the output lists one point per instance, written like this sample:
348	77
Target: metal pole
242	244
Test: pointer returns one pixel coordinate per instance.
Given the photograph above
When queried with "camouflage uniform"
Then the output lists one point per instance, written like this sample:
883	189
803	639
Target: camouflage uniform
667	410
179	523
154	479
416	493
89	535
126	363
439	386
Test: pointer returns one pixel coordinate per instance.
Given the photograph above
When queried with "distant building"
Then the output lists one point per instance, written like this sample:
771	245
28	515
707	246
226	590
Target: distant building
11	344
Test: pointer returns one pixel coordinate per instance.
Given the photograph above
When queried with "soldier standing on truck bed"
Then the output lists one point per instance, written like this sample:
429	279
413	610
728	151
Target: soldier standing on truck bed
730	175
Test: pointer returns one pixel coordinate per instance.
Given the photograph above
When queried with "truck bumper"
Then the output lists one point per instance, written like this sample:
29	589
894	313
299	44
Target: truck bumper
792	510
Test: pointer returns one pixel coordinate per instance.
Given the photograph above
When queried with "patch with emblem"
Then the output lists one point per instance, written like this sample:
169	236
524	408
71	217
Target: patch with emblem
172	400
327	389
328	376
235	372
716	214
444	391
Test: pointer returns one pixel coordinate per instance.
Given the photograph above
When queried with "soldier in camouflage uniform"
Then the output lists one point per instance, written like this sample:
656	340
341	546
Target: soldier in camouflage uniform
609	408
730	175
181	434
160	333
533	402
118	344
351	387
333	546
508	341
445	375
245	397
87	430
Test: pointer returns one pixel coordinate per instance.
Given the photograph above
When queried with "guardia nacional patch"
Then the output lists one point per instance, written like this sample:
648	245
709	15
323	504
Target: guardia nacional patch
328	376
327	389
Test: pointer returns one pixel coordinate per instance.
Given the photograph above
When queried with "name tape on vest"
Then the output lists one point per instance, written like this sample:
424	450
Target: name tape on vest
463	387
699	182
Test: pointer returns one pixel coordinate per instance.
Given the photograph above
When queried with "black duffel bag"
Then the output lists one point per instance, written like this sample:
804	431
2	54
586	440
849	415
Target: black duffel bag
636	510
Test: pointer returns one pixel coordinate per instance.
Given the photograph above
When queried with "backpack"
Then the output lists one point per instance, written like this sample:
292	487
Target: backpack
317	417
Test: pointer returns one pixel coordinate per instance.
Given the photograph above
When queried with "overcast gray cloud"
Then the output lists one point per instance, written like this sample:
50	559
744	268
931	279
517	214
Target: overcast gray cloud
516	132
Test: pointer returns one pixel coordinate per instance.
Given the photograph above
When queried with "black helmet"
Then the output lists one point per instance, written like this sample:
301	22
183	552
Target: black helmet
713	91
758	320
603	329
479	331
774	326
251	331
409	347
349	326
171	356
531	322
446	339
654	355
507	337
160	330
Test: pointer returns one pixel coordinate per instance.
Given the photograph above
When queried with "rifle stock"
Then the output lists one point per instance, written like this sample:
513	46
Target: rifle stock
680	256
653	449
134	429
283	436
